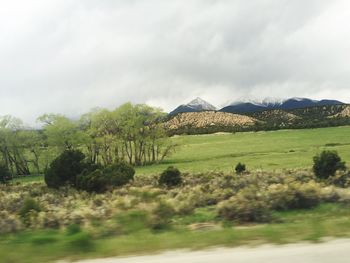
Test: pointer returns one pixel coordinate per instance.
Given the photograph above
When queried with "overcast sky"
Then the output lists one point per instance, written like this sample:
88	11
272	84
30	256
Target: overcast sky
67	57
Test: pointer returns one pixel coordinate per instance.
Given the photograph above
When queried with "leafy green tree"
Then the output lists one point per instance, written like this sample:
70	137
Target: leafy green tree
5	174
35	148
132	133
102	129
62	132
142	133
12	145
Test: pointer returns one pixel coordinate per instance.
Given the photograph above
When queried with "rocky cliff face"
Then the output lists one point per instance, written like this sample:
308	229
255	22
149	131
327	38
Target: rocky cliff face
345	113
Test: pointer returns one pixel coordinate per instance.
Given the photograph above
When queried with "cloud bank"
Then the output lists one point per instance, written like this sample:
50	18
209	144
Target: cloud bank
69	56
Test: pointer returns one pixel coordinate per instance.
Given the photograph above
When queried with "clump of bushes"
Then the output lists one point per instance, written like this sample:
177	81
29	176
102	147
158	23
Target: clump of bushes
327	163
29	208
100	180
29	205
170	177
307	195
294	195
280	196
340	179
142	204
120	173
240	168
65	168
248	205
9	222
252	204
161	216
5	175
70	169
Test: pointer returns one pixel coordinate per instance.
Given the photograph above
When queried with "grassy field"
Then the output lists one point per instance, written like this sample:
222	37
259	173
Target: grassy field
297	225
272	150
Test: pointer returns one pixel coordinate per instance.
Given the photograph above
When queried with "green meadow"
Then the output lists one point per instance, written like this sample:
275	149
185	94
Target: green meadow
264	150
270	150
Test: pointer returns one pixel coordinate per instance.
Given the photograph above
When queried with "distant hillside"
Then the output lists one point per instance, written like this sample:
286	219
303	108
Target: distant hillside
276	118
289	104
244	107
208	122
309	117
211	121
195	105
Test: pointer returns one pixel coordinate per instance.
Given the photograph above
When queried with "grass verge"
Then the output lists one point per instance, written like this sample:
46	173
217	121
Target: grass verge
326	220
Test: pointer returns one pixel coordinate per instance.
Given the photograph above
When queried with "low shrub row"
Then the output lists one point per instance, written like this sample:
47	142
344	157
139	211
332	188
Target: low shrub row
109	200
253	204
70	169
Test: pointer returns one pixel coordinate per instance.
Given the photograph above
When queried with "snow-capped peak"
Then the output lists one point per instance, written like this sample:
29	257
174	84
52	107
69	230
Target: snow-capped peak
302	99
200	103
258	102
272	101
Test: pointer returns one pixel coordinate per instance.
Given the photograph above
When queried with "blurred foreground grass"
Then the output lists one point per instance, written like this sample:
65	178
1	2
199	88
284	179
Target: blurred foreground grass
326	220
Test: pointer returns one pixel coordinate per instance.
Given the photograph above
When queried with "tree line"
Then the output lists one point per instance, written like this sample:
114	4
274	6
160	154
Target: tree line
131	133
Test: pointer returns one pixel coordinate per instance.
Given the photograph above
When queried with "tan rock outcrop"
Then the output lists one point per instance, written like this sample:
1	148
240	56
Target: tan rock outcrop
344	113
207	119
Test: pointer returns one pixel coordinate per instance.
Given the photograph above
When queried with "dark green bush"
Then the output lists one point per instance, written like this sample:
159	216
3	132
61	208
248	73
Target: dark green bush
240	168
65	168
170	177
94	181
327	163
5	175
100	180
120	173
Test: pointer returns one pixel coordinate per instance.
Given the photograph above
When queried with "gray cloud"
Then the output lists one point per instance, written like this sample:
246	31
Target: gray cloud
69	56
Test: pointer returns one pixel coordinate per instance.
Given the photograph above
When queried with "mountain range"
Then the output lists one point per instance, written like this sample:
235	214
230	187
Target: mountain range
198	105
205	122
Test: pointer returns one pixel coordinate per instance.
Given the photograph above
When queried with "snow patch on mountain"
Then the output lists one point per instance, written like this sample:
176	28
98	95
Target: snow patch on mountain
199	103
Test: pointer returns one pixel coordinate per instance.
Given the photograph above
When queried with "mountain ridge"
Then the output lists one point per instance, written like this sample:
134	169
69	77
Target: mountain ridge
243	107
287	104
206	122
